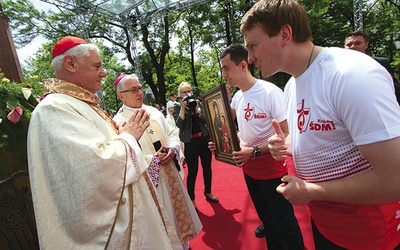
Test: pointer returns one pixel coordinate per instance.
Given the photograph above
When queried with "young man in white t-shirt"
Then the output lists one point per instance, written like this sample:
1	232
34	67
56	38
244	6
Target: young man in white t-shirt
254	105
344	126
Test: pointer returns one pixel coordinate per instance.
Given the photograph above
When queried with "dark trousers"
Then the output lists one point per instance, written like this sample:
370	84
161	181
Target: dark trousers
276	213
193	149
322	243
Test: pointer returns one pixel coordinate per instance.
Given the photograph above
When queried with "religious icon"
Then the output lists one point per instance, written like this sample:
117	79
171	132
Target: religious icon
220	123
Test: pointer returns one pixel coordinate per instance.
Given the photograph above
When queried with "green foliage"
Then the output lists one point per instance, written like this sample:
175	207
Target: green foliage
197	35
13	137
28	23
383	19
330	20
114	68
39	63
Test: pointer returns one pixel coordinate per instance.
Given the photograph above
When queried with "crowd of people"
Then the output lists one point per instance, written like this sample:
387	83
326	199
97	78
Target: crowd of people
102	182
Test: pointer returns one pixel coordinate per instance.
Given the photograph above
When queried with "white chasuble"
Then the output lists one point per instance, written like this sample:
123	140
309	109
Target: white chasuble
90	186
171	189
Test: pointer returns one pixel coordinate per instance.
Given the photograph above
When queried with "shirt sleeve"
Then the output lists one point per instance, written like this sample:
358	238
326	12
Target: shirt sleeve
374	102
276	103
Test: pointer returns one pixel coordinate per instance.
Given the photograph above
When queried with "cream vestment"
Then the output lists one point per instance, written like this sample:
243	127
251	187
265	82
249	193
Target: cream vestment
171	189
90	186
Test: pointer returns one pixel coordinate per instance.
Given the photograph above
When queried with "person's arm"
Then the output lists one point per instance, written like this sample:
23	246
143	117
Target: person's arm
376	186
179	114
173	142
200	112
246	153
233	113
173	136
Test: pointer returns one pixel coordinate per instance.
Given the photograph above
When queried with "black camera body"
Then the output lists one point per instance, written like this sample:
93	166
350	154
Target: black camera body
191	102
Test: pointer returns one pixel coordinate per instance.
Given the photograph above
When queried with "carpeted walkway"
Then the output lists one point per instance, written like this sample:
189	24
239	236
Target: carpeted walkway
230	224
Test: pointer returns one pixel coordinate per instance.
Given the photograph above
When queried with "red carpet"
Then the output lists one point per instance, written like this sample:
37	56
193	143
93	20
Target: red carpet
230	224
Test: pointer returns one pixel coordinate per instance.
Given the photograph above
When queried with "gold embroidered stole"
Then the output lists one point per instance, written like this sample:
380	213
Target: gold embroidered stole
186	229
59	86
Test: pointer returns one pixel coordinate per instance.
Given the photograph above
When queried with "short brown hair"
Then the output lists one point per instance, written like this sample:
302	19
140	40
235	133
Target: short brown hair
237	51
357	33
272	15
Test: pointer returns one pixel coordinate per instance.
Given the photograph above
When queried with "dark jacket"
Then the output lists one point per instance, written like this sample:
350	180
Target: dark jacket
185	126
385	62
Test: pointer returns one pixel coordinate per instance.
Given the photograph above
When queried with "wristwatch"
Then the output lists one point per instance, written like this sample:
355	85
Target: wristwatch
256	152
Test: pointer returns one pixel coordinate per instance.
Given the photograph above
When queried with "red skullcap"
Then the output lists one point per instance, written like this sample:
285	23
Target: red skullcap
119	78
65	44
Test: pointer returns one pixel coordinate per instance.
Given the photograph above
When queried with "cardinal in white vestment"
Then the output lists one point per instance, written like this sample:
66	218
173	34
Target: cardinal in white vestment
159	136
90	183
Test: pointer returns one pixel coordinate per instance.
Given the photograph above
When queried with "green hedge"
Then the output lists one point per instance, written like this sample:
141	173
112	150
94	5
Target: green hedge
13	156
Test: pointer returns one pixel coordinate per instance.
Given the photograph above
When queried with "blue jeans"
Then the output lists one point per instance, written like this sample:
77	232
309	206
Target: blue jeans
276	213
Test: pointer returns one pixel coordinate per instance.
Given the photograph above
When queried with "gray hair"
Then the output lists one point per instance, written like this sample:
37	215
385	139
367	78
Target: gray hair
124	80
78	52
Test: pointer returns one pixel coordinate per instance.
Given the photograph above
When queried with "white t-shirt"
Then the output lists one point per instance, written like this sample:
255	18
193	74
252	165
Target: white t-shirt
344	99
255	109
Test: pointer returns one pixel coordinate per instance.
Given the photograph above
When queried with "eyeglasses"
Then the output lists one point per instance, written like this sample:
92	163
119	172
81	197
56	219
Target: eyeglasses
132	90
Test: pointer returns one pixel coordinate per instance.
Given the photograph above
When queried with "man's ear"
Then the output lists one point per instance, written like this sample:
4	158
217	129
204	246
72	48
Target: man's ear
69	63
244	65
121	97
286	34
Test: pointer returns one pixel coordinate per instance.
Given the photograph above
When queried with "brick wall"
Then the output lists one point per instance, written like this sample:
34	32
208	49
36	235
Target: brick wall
9	62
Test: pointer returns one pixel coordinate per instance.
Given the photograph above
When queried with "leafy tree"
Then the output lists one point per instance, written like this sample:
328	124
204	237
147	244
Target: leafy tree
332	20
383	26
196	36
120	33
39	63
208	27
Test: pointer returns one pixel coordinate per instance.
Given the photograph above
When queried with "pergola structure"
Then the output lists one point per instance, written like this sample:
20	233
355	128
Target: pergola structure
358	18
124	11
123	8
141	10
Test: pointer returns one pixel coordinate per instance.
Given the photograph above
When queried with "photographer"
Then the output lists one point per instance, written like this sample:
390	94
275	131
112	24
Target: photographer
193	131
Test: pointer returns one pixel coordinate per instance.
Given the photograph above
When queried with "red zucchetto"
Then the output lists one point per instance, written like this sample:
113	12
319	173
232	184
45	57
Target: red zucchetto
65	44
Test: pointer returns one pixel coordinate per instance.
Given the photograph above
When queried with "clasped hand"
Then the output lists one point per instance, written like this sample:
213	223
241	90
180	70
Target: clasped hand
166	155
136	125
295	190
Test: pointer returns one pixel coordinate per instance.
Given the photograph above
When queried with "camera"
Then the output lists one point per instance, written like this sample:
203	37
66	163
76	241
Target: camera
191	102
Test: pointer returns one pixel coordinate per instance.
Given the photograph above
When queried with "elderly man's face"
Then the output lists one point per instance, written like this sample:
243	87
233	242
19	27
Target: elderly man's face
89	72
356	43
132	96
